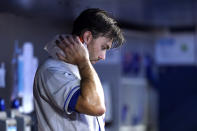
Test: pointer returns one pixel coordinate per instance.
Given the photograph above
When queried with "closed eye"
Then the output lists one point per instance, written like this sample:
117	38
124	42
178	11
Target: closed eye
105	47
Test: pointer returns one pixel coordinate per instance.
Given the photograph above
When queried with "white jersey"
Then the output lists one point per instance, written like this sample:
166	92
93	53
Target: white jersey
55	84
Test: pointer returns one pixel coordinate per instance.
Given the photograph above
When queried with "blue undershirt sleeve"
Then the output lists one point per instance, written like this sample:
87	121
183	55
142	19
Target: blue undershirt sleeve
73	101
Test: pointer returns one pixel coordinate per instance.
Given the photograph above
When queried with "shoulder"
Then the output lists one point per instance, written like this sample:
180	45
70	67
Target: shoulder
53	64
56	67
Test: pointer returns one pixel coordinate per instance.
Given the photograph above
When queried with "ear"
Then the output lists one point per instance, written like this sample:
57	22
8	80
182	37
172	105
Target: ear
87	37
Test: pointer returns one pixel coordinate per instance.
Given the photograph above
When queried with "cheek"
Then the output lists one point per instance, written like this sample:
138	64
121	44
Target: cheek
95	50
92	52
99	52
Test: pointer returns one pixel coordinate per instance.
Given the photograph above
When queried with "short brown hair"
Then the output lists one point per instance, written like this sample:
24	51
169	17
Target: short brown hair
100	24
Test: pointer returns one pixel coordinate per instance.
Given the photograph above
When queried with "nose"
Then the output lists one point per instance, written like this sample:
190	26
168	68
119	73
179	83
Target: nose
102	56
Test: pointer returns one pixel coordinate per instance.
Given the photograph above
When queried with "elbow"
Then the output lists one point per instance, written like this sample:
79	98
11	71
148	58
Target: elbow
99	111
96	110
90	108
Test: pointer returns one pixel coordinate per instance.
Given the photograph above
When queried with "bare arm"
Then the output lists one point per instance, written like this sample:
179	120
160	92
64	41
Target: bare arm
91	99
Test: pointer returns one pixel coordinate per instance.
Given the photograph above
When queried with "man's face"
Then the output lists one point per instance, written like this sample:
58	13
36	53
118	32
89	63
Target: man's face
97	48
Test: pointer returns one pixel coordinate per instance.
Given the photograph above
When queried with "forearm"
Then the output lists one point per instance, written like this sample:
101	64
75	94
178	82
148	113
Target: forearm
91	88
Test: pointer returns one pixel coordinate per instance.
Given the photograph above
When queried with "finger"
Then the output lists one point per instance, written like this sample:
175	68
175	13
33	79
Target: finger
71	39
63	40
78	40
68	42
75	39
60	45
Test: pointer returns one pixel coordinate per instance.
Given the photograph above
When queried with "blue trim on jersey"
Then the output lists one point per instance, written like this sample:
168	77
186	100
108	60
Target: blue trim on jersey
73	100
69	96
98	124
